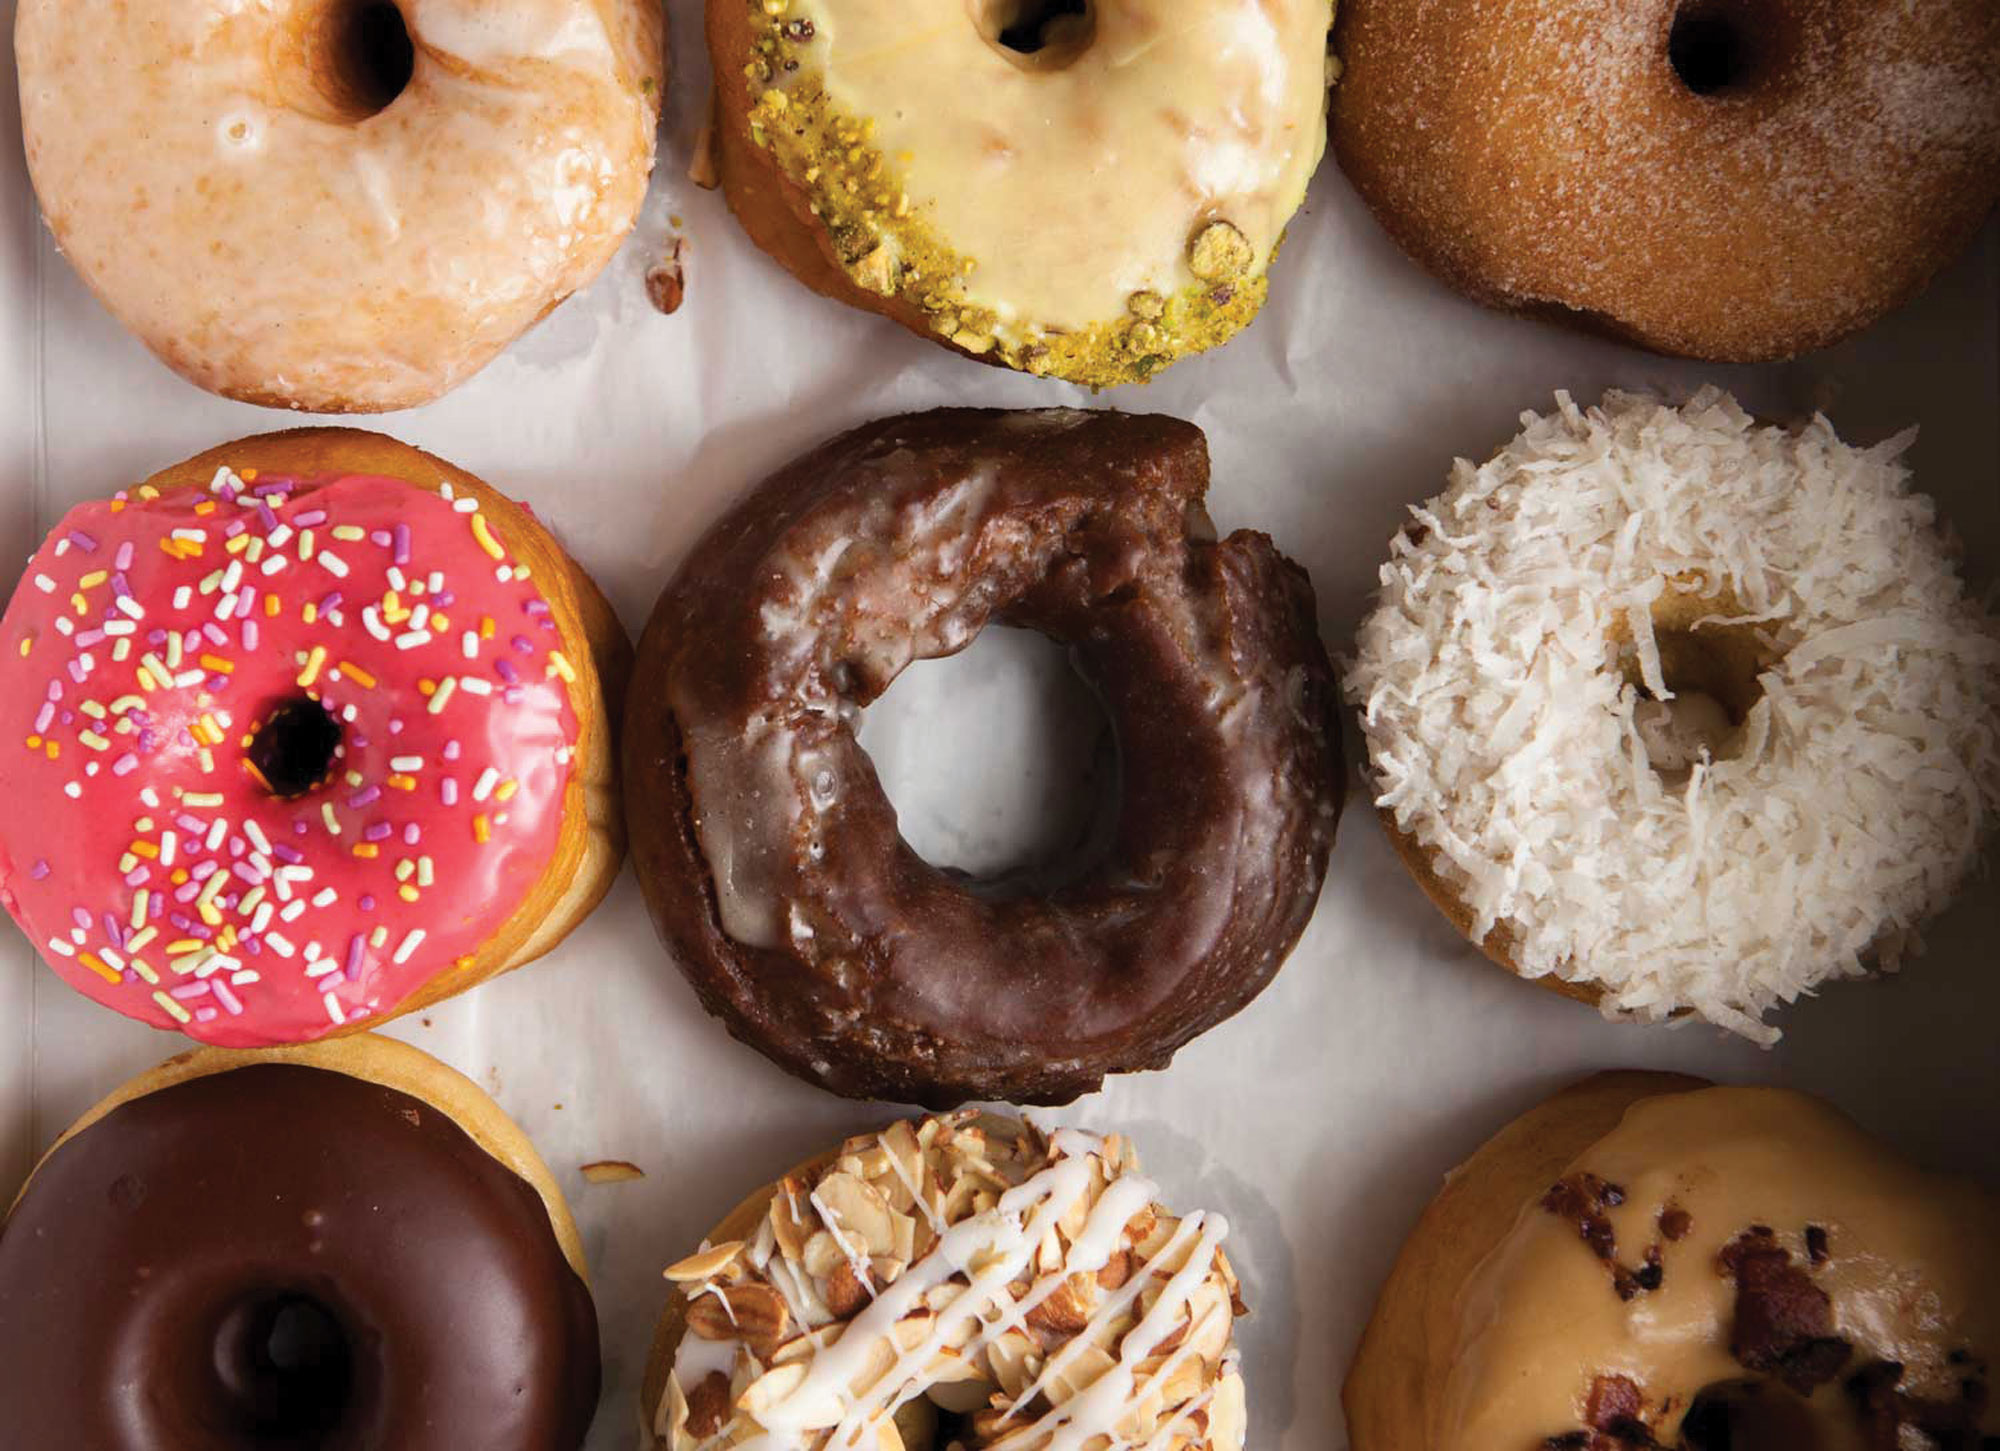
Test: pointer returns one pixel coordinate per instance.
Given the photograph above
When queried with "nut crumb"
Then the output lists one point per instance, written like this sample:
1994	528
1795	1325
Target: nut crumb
612	1171
666	280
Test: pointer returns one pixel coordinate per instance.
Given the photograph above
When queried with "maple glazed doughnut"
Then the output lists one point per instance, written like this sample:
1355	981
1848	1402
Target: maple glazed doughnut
963	1281
1084	189
303	733
1648	1263
1729	179
337	205
342	1247
1675	712
769	853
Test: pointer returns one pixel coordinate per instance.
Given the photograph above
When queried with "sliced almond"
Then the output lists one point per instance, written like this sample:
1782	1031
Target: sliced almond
1228	1420
1117	1270
1067	1310
1079	1370
823	1255
612	1171
1014	1361
771	1388
792	1219
861	1211
705	1263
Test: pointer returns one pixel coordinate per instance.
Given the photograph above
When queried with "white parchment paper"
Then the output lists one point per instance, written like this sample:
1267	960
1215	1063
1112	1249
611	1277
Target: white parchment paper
1321	1119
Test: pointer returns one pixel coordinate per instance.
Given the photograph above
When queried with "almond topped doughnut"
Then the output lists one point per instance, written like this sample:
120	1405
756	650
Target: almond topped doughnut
303	733
1085	189
770	855
1675	712
1729	179
1648	1263
337	205
956	1282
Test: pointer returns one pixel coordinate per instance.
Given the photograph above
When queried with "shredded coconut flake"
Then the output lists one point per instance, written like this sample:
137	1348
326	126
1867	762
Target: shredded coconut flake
1499	678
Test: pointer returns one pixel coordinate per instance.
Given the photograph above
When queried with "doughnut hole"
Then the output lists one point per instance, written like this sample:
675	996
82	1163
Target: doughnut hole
343	61
1711	673
293	749
285	1371
1031	799
1721	47
1042	35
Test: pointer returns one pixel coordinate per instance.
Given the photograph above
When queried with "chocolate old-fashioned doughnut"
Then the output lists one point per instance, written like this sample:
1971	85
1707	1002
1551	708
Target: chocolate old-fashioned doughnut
769	852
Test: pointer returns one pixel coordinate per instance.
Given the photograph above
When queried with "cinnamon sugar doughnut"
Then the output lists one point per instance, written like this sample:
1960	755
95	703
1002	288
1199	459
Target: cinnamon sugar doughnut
1648	1263
1680	713
337	205
1728	179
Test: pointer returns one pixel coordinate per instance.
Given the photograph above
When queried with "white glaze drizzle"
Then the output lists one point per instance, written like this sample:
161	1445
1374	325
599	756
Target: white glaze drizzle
823	1411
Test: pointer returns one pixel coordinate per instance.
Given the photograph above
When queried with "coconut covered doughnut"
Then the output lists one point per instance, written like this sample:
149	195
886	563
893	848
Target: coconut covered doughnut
303	733
1729	179
1085	189
342	1247
337	205
1647	1263
964	1281
1682	713
771	857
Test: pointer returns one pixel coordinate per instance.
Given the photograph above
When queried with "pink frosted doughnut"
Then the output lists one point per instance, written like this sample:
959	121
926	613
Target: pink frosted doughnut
305	732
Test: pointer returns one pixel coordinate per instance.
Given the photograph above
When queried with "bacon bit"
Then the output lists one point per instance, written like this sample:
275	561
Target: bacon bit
1784	1322
1675	1222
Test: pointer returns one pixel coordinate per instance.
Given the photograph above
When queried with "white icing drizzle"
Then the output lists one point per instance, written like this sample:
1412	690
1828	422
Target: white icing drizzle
845	1394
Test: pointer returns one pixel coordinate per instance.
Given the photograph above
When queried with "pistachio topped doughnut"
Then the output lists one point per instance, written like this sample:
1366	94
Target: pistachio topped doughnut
1086	189
337	205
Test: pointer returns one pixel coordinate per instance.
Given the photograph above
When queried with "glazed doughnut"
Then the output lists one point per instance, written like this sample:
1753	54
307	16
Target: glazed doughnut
342	1246
1647	1262
963	1281
1084	189
1728	179
337	205
770	855
304	733
1679	713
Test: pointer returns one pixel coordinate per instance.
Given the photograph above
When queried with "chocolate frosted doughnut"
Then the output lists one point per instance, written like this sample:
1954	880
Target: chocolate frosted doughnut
339	1248
769	852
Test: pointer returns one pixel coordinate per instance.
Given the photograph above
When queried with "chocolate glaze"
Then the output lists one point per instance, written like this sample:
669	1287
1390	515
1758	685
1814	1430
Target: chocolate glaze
770	855
414	1281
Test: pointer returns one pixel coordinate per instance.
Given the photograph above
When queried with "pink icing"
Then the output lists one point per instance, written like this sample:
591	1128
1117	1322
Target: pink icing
128	794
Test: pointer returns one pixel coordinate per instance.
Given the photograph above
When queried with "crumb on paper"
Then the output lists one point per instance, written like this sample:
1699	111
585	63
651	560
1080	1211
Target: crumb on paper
666	280
612	1171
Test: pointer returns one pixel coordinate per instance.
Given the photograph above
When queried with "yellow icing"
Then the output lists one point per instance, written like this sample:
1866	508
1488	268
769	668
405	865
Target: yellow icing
1093	212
